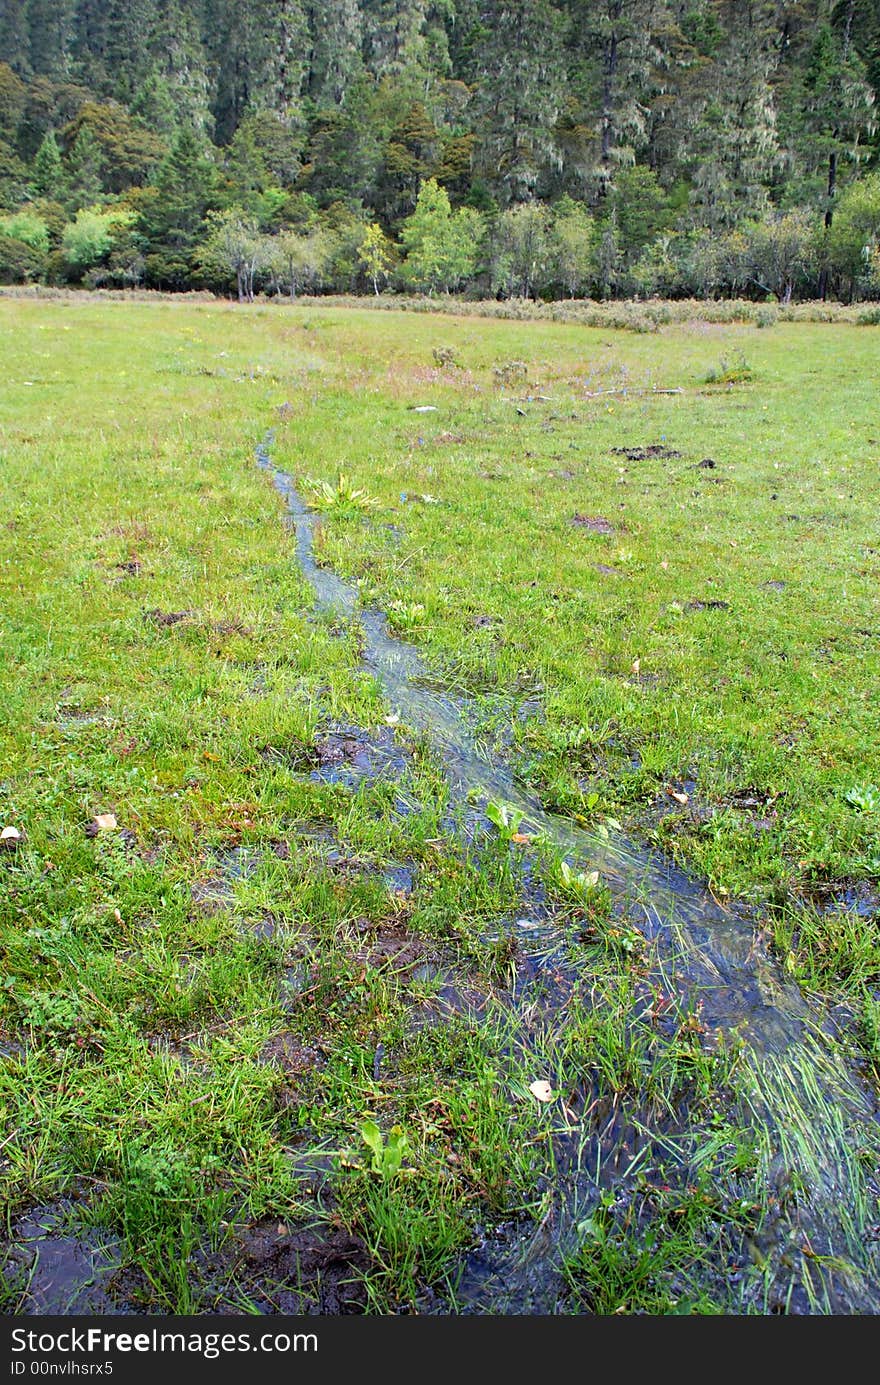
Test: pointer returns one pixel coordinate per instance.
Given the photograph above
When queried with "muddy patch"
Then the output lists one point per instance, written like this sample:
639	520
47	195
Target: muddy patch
165	619
132	567
60	1266
691	606
595	524
450	995
215	890
288	1053
278	1269
644	454
232	627
843	897
294	1061
344	755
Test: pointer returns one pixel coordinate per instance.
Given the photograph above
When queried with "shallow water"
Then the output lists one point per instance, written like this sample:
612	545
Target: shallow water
822	1114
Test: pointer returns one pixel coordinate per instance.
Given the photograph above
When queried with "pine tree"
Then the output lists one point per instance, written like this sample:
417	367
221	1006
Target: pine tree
50	33
47	179
127	45
260	50
396	36
154	104
179	61
733	148
519	96
84	168
335	61
14	35
172	214
617	52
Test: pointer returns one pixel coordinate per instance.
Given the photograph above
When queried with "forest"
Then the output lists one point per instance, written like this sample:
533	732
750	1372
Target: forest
503	148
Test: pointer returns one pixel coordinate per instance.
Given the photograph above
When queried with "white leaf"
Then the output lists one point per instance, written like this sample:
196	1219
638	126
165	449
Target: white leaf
541	1090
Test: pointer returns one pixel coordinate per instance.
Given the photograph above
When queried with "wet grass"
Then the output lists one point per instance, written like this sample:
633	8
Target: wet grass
287	935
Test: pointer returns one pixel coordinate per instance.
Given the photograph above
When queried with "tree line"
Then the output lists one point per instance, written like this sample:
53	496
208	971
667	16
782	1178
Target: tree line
572	148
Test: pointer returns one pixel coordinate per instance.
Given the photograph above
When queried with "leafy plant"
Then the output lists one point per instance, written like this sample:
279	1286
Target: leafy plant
386	1155
864	797
577	882
735	372
341	499
510	373
406	615
505	817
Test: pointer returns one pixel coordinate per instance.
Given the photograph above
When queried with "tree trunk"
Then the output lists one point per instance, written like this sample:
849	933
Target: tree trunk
829	218
609	72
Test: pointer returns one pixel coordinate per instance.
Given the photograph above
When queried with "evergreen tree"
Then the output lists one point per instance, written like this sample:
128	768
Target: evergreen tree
520	90
47	179
172	211
155	106
50	33
260	53
616	48
84	170
335	58
179	61
14	35
733	148
410	157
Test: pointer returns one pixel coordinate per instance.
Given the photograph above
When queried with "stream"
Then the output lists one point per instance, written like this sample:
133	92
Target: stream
817	1120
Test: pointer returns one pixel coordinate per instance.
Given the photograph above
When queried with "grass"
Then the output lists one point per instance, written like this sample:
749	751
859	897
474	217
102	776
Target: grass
204	1008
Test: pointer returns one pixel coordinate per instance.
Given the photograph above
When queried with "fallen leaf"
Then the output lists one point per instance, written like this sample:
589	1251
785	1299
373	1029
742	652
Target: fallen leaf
541	1090
521	838
102	822
679	797
665	565
636	665
117	915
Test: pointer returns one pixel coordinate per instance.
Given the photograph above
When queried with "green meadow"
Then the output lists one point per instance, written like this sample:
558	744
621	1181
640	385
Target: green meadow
267	1042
